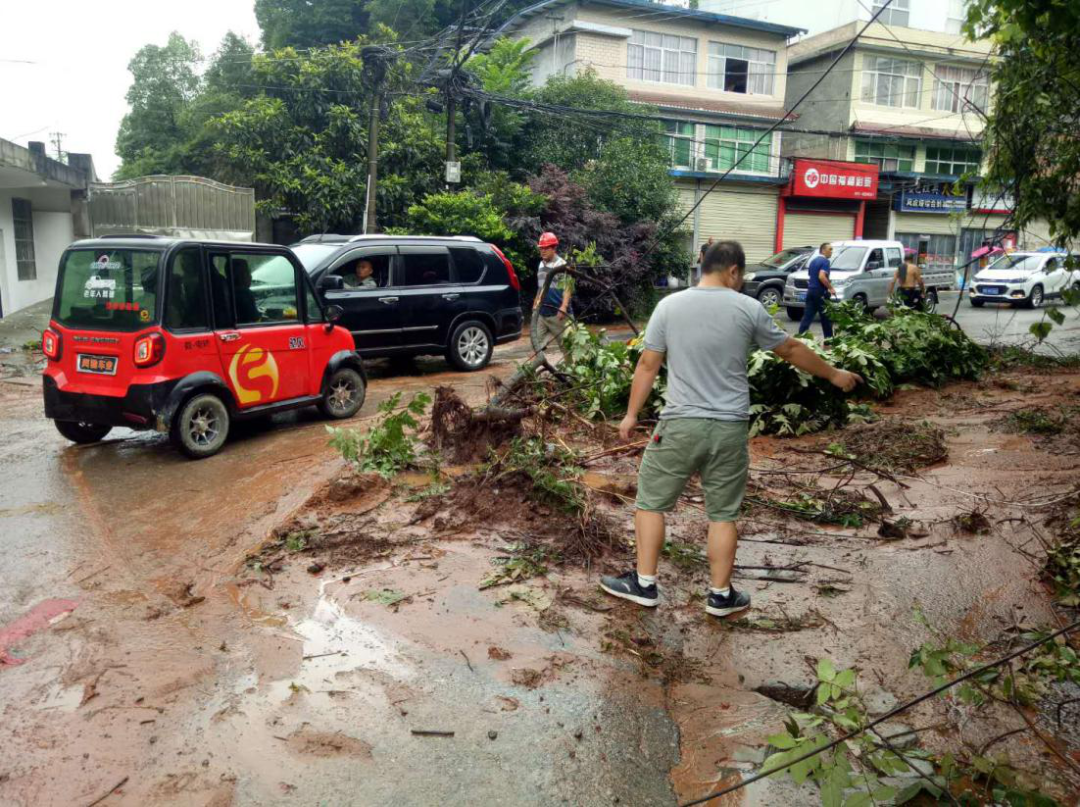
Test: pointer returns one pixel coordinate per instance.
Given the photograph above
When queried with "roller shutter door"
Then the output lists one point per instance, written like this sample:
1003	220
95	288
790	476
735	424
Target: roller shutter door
812	229
745	215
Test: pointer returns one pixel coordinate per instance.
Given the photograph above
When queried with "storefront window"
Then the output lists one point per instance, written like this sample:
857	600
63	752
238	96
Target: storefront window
940	252
886	156
952	161
724	145
680	142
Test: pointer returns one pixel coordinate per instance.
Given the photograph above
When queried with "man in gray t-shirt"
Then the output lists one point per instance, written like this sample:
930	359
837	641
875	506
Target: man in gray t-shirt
706	334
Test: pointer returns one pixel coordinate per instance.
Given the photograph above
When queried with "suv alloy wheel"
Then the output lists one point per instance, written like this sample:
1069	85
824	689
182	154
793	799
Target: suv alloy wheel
770	296
471	346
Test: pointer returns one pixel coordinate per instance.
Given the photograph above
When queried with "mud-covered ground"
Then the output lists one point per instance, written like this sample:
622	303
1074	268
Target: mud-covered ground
265	627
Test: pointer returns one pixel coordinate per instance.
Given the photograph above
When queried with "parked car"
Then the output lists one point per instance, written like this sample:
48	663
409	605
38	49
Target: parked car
187	336
765	280
861	271
1023	279
452	296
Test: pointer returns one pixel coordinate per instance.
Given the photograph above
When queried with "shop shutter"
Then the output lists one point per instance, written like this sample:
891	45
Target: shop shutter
813	229
746	215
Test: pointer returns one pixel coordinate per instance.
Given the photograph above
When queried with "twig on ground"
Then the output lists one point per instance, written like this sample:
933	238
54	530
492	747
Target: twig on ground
112	790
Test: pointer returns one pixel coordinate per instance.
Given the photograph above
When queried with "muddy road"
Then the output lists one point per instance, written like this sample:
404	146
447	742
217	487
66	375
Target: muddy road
142	661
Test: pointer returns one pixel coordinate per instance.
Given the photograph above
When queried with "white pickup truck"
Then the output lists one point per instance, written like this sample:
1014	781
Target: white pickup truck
861	270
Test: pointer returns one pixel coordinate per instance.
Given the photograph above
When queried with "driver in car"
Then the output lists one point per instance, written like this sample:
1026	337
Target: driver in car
246	309
362	276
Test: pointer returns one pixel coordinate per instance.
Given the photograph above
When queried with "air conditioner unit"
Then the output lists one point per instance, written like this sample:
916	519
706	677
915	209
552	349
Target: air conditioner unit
701	164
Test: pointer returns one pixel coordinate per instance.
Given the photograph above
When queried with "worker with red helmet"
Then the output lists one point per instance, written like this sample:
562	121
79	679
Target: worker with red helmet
555	306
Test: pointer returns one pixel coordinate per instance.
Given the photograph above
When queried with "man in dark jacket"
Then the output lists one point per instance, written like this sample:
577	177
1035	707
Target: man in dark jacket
818	291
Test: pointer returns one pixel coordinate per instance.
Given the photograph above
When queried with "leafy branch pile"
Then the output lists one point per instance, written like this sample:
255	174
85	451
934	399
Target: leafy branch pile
877	766
909	347
390	446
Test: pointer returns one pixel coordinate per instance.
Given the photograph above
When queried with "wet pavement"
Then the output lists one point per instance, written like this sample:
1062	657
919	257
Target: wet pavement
139	664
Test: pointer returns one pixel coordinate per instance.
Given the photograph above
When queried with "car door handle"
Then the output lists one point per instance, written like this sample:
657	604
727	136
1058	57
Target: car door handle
388	300
450	296
228	337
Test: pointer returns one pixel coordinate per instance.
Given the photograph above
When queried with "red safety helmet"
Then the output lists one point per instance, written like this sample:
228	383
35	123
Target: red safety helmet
548	240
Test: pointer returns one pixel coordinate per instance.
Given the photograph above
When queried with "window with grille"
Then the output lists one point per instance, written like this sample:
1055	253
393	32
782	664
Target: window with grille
662	57
898	12
886	156
733	68
954	161
725	145
23	214
958	88
891	82
679	137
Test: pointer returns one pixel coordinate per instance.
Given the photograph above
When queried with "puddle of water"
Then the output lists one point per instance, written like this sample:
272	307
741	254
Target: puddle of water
60	697
334	643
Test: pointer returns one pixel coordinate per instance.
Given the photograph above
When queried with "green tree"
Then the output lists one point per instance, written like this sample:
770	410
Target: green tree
301	141
153	133
310	23
1031	142
495	128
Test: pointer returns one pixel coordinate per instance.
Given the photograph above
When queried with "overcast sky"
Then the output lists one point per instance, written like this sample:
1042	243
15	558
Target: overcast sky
78	53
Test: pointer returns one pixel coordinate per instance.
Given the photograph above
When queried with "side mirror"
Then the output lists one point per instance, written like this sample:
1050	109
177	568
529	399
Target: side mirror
870	267
333	313
330	282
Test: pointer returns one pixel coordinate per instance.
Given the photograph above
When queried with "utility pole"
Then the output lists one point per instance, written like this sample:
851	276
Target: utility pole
57	139
453	168
375	65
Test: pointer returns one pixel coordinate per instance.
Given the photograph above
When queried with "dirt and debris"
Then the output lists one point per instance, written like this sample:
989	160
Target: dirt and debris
972	522
895	445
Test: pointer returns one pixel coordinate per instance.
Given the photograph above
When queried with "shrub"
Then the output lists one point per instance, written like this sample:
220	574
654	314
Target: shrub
387	448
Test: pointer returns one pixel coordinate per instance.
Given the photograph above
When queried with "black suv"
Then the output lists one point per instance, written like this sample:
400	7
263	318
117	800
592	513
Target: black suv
765	280
418	295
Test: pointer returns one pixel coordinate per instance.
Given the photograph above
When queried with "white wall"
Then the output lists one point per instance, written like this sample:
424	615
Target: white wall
53	232
824	15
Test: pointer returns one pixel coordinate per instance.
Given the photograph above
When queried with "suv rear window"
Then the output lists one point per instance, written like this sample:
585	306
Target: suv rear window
469	264
111	289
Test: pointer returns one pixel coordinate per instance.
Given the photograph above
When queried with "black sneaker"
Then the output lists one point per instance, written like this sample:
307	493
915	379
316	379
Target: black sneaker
627	587
722	606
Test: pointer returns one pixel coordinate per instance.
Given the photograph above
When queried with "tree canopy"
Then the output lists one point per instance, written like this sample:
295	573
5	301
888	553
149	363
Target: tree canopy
1032	147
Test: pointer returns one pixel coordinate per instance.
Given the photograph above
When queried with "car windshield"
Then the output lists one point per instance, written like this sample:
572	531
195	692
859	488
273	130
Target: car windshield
312	255
1018	263
847	259
110	289
782	258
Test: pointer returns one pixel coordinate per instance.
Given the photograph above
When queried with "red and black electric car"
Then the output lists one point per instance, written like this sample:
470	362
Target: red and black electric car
186	336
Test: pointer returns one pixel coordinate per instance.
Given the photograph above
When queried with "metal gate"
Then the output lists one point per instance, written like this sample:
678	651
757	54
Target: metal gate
814	229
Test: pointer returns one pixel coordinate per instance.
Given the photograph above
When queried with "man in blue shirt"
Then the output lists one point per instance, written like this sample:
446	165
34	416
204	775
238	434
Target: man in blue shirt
818	291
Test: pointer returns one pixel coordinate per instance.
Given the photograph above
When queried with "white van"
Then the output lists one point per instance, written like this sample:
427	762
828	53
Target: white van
1024	279
860	270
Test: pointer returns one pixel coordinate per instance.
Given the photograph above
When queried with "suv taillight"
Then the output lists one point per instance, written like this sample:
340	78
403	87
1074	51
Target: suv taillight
149	349
50	344
509	269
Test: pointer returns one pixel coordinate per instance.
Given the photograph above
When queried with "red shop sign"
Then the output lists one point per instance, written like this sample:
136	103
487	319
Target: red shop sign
834	180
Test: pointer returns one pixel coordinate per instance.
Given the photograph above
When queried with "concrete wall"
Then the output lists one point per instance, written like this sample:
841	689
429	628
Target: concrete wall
53	232
827	109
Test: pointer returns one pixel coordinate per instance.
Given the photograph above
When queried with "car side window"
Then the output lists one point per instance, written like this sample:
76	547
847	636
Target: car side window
364	270
468	264
185	295
1050	266
894	257
221	292
314	310
424	267
877	257
263	289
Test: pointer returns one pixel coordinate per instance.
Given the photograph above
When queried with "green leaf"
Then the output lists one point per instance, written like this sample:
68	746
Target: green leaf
822	694
845	679
783	741
1040	330
858	800
1056	315
825	670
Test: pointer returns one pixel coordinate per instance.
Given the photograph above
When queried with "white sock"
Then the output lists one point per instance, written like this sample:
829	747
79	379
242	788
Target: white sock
646	580
721	592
